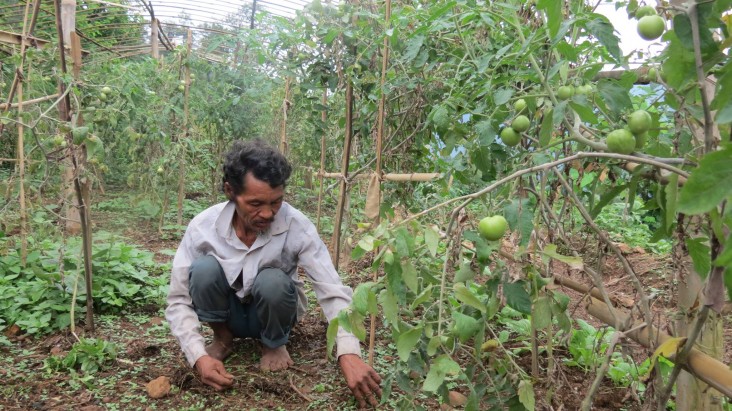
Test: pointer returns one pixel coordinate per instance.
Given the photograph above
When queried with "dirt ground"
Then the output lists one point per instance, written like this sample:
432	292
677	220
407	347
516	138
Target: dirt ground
148	351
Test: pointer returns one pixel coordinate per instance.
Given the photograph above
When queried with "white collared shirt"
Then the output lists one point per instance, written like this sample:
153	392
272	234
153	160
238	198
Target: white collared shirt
291	241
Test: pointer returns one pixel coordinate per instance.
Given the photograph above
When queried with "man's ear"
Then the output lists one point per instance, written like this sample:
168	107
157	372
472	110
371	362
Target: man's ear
228	191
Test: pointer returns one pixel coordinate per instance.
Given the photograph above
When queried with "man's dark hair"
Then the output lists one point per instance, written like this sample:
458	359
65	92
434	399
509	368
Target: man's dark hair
265	162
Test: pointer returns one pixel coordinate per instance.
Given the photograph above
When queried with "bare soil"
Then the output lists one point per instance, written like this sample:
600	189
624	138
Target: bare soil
148	351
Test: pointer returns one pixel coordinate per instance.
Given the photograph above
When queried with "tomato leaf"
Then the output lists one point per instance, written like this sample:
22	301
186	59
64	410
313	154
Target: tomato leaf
604	31
517	297
441	367
709	184
700	255
406	341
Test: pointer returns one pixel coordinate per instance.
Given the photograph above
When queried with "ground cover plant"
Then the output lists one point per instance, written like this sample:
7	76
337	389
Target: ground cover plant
518	200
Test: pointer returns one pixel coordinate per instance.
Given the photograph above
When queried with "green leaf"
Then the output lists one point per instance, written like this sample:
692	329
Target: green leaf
553	10
404	242
542	312
728	282
606	198
672	190
520	216
406	341
517	297
357	327
585	112
707	185
413	46
389	306
502	96
526	395
465	325
360	299
465	273
432	239
486	133
604	31
550	250
700	255
409	275
440	368
466	296
547	127
614	95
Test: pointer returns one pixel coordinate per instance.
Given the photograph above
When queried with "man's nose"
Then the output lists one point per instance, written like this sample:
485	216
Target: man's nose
267	212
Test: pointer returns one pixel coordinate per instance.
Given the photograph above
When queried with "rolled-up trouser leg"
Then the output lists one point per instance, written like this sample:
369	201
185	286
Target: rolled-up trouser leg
210	292
274	294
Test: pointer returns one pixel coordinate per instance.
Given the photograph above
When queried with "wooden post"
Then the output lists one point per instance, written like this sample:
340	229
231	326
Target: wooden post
336	239
81	188
154	42
285	106
68	19
183	142
323	117
379	140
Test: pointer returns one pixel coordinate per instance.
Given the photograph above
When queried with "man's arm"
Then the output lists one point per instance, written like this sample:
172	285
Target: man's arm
184	322
333	296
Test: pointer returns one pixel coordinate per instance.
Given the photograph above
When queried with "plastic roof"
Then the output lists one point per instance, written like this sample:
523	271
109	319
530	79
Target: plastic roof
225	17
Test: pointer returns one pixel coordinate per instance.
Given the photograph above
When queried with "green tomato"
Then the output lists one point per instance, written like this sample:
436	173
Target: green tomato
492	228
565	92
643	11
639	122
651	27
510	137
520	124
519	105
621	141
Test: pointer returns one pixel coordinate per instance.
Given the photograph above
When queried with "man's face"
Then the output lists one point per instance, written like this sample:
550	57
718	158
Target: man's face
257	205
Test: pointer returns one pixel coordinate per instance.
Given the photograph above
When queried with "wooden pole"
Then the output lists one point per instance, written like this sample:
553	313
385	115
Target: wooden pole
154	42
336	240
182	143
83	206
379	140
323	117
285	106
21	150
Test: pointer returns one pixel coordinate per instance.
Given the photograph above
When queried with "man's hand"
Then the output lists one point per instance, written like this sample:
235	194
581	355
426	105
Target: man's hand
212	373
362	380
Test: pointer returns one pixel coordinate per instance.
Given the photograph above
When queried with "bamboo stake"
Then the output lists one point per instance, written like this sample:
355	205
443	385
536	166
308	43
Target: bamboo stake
26	103
379	140
402	177
182	163
323	117
21	151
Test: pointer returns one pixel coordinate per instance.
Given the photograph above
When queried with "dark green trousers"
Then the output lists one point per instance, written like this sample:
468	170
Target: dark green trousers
268	313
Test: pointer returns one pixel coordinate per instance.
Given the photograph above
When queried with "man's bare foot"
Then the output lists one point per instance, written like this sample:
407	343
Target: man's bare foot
223	342
275	359
219	349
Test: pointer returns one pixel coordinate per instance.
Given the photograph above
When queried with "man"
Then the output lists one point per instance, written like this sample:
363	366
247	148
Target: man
236	269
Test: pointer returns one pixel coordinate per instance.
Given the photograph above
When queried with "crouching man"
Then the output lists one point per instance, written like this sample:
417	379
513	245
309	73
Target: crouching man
236	269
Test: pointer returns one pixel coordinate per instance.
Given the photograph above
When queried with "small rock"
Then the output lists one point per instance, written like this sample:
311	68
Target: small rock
159	387
457	399
57	351
156	321
12	331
